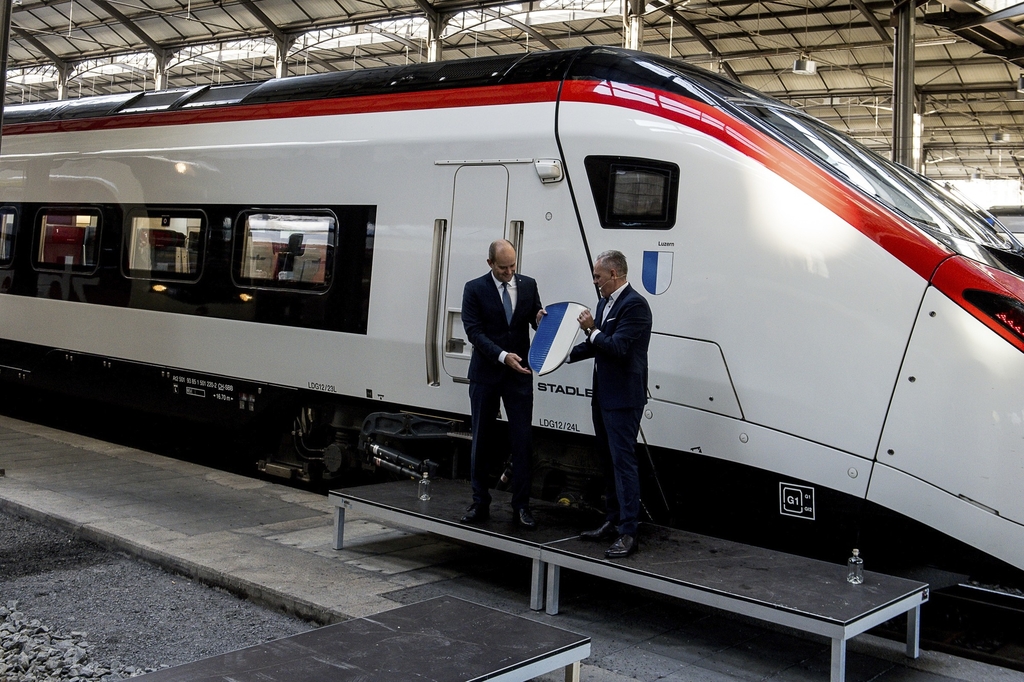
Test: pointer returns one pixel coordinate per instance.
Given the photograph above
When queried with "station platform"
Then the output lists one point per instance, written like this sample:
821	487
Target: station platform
274	544
768	586
443	639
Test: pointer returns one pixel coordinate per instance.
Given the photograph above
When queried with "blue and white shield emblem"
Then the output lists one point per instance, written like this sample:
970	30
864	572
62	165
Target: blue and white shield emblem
657	272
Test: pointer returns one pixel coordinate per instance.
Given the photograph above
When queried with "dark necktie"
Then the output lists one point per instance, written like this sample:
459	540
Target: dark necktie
606	303
506	301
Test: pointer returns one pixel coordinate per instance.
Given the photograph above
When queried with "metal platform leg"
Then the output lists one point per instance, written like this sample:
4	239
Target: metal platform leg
838	660
537	585
554	575
339	527
914	632
572	672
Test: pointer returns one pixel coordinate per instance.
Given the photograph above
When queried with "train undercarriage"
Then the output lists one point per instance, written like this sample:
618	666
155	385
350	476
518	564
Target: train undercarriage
324	441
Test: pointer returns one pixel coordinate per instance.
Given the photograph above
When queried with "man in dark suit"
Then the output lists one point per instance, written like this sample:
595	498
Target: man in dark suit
498	310
617	340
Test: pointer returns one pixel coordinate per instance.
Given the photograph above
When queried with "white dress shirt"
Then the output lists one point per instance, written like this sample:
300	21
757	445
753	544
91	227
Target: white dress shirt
612	297
513	294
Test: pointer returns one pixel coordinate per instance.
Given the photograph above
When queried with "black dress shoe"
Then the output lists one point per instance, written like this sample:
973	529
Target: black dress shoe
522	517
605	532
622	548
477	513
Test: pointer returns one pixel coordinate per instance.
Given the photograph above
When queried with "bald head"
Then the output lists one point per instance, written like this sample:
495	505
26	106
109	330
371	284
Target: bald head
501	257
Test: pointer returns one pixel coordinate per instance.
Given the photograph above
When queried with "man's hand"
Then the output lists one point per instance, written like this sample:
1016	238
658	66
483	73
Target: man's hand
540	313
586	320
515	362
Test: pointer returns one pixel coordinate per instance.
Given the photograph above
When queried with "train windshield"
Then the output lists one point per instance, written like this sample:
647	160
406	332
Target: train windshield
928	205
923	201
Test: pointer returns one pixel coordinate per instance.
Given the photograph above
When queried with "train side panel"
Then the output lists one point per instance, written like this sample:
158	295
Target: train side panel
402	163
812	317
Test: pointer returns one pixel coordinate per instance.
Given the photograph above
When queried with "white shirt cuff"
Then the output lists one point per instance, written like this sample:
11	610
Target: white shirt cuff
501	357
594	333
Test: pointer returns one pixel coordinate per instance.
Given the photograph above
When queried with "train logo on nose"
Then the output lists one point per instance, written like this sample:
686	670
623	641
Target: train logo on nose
657	272
796	500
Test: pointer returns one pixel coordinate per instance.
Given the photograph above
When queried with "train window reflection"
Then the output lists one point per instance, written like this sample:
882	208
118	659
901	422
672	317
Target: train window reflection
68	239
289	250
162	245
633	193
6	236
917	198
639	193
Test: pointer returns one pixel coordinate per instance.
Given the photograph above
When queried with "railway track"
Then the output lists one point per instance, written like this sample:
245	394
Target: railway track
977	622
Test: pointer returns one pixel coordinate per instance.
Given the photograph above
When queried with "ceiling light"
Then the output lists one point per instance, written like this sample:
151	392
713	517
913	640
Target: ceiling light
1000	137
931	42
808	67
1020	83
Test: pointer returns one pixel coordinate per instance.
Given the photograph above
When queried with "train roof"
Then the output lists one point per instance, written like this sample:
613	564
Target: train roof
556	65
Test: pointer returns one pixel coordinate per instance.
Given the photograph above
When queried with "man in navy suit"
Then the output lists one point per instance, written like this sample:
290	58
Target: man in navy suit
498	310
617	340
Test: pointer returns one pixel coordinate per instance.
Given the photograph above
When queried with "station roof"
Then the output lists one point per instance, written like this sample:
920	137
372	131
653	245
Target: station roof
969	54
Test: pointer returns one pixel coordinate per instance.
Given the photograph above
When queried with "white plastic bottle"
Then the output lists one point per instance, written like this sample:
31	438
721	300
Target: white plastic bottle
424	487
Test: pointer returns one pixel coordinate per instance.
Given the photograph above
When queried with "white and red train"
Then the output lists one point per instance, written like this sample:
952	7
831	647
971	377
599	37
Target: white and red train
827	324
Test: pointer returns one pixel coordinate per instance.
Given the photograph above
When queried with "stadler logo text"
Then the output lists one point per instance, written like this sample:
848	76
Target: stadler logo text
567	390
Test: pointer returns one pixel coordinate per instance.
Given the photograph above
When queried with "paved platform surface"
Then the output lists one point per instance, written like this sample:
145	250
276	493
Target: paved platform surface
273	544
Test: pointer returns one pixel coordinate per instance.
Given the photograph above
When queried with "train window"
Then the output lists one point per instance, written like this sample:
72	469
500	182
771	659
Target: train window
164	244
7	217
68	239
634	193
286	249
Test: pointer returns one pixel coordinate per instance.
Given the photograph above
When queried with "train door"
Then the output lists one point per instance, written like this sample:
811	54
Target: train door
478	218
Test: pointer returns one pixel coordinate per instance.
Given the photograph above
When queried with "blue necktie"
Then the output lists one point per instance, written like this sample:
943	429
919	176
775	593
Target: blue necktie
506	301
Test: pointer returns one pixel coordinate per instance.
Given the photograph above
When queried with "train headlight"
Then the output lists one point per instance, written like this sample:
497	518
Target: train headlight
992	295
1008	312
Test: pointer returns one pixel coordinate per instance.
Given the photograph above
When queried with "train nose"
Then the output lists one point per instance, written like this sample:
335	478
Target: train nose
952	449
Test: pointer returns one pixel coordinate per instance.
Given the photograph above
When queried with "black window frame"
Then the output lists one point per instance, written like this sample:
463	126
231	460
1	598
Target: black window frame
600	172
37	238
12	210
154	275
240	231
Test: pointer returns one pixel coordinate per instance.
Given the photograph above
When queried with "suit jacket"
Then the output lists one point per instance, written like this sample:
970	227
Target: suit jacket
483	318
620	352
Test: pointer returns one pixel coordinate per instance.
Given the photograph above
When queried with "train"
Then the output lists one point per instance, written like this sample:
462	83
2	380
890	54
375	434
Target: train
835	337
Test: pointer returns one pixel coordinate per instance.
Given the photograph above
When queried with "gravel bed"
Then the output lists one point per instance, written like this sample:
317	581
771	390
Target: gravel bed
74	611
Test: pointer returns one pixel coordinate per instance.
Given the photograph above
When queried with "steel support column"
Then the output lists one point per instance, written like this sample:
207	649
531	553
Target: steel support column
163	60
5	41
435	28
903	85
63	74
635	24
281	57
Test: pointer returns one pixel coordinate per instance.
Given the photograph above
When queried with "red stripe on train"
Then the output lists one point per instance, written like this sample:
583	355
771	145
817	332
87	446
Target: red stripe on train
490	95
908	244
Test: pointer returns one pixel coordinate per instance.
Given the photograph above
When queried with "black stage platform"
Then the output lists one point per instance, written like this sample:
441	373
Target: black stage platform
804	594
439	640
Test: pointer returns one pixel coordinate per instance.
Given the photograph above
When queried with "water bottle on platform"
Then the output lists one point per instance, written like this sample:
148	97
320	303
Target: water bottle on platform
855	569
423	491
